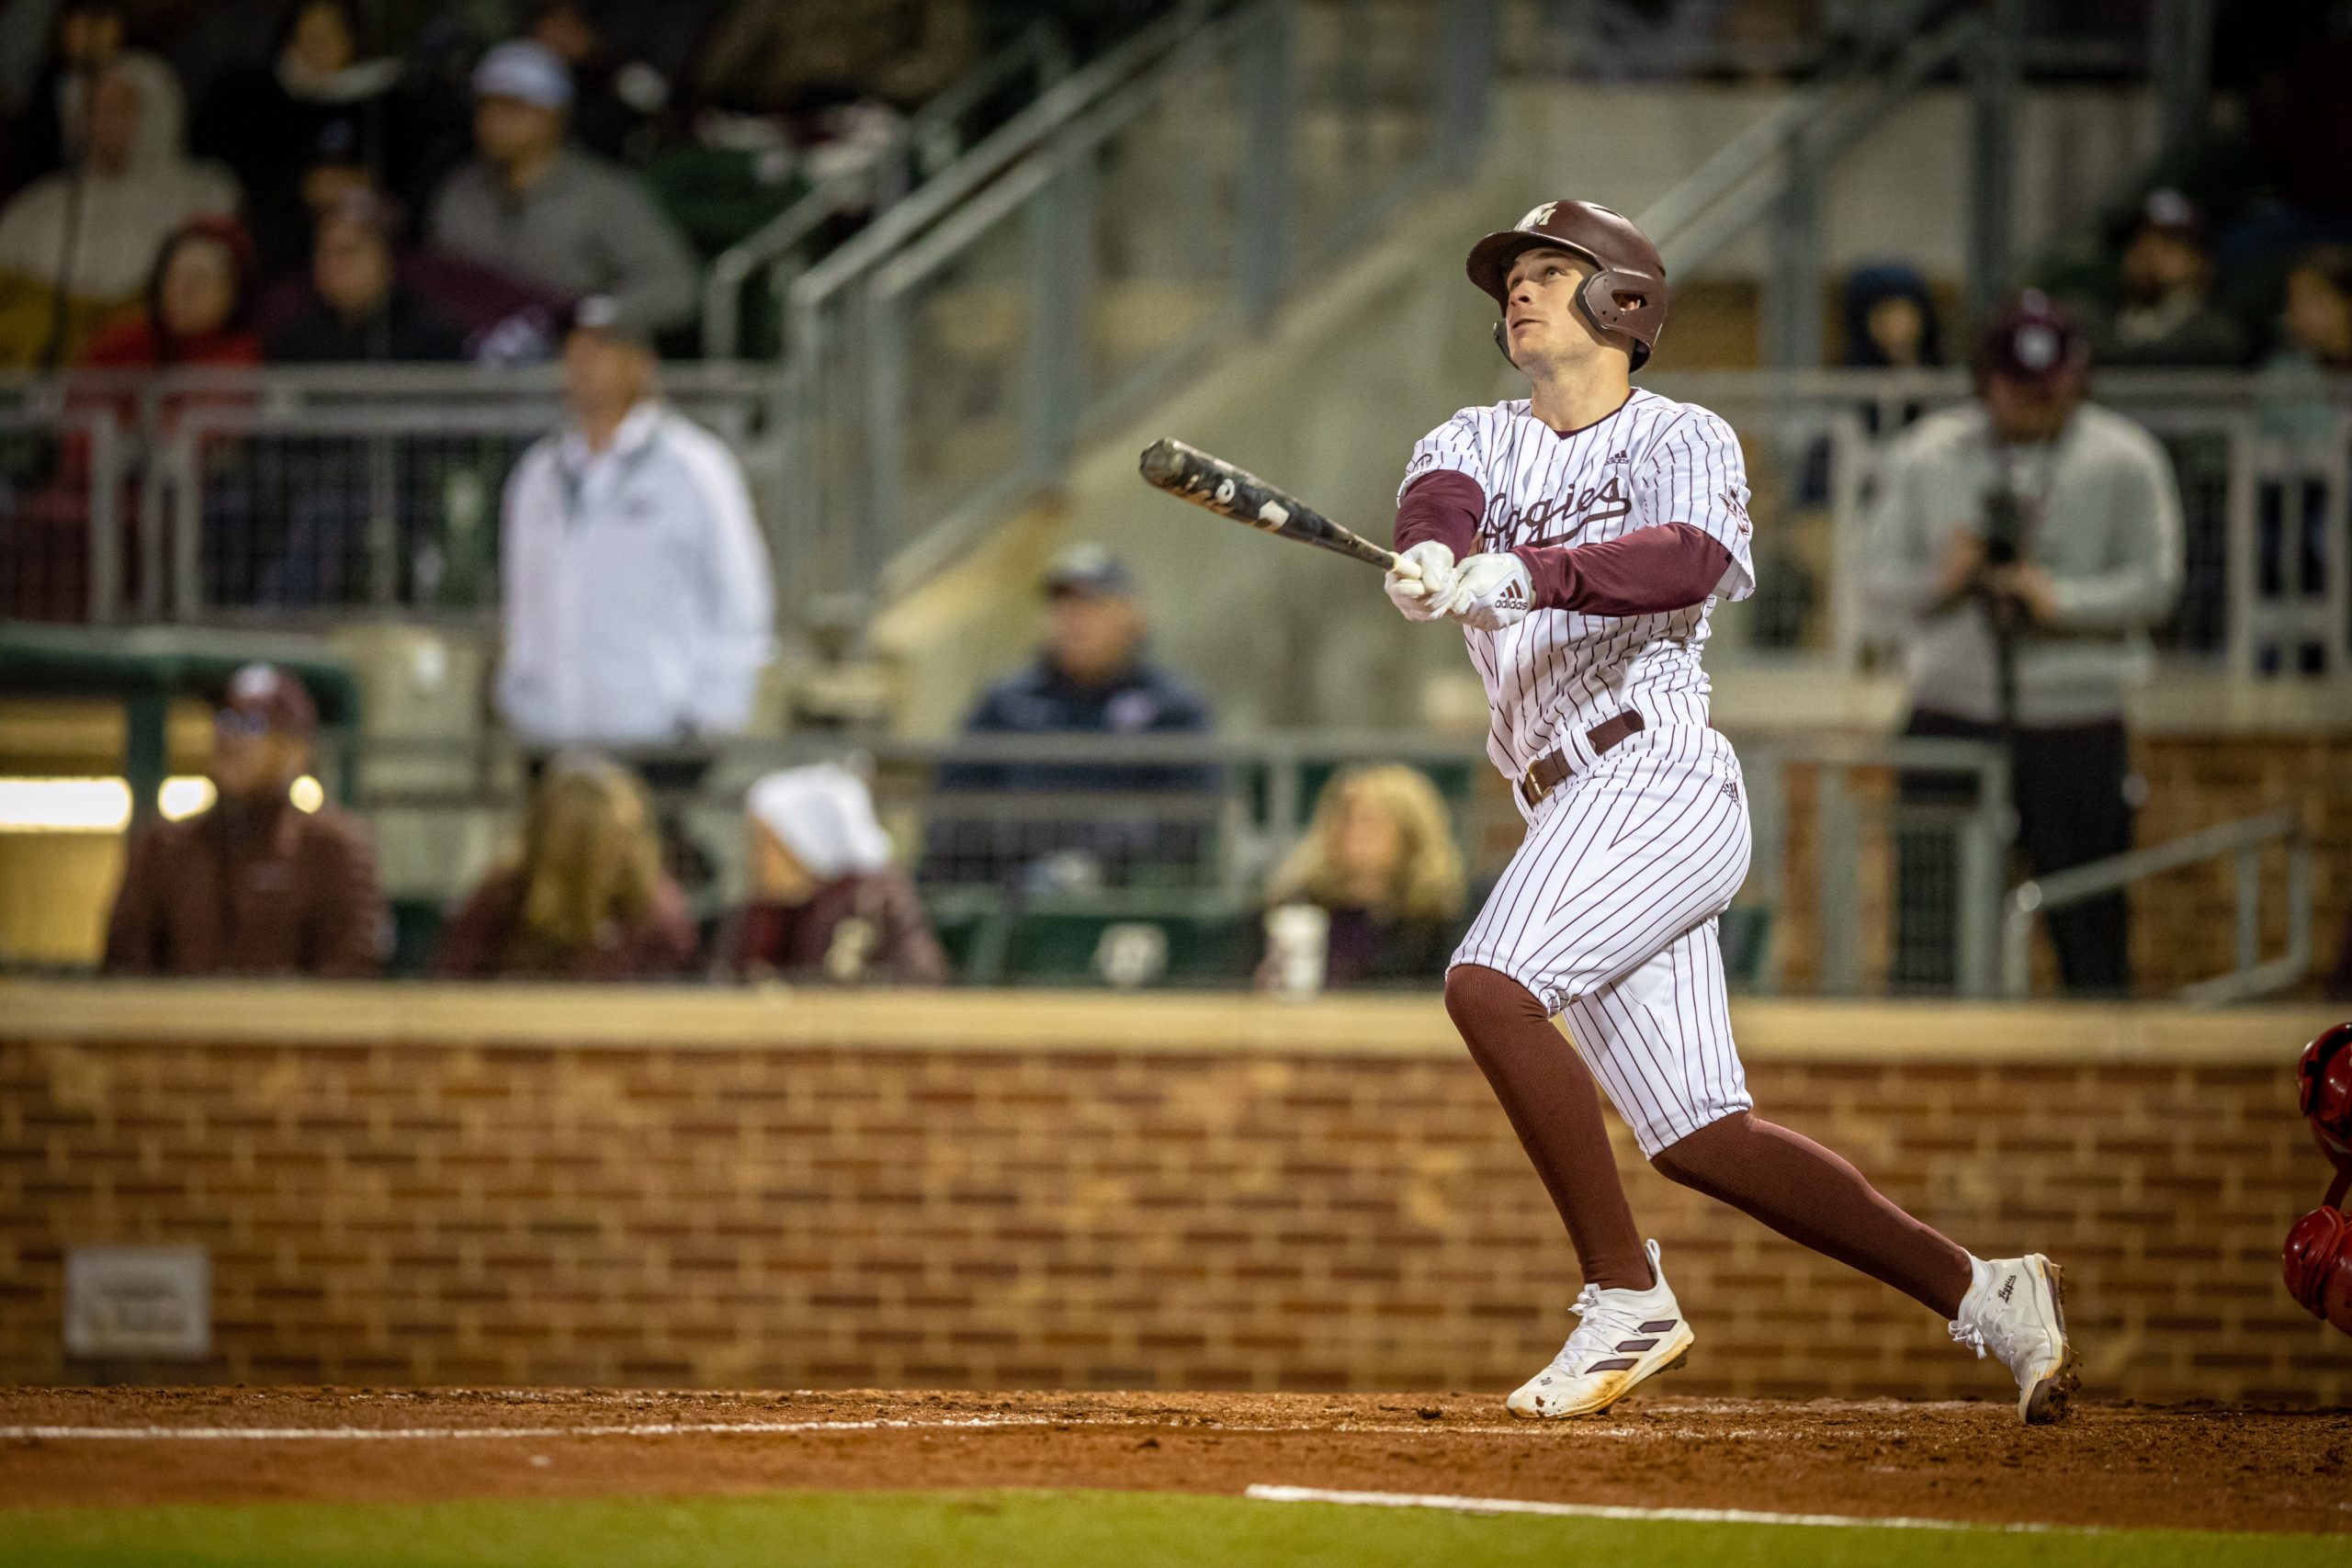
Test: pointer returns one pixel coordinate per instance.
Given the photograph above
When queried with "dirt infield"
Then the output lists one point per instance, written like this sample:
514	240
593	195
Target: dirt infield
2111	1465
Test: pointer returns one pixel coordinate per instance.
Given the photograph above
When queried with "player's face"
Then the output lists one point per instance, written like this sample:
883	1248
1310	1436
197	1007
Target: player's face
1546	331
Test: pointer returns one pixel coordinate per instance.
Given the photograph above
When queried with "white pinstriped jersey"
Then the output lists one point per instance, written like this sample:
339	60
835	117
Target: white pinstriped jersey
1557	673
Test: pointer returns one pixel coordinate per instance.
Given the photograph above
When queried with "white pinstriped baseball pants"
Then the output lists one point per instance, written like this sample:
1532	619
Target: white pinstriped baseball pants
1607	914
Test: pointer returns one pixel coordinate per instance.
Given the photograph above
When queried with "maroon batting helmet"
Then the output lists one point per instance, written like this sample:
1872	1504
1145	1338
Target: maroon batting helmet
1626	263
2317	1259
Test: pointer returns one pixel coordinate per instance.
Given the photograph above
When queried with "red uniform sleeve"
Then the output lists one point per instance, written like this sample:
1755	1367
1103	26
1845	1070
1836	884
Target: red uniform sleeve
1445	506
1647	572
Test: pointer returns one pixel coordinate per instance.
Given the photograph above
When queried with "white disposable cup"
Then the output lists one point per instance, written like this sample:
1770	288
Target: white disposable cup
1298	939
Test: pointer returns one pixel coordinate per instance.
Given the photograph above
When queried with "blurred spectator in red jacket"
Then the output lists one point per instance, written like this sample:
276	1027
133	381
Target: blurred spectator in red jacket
826	903
586	899
357	309
257	883
198	308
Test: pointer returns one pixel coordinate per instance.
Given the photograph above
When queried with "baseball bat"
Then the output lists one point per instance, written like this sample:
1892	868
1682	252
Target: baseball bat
1190	474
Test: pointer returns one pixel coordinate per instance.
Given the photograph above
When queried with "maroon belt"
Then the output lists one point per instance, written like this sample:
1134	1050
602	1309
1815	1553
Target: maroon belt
1546	773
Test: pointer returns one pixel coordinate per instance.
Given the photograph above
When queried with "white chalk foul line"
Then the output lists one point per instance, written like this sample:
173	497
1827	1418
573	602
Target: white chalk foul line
1264	1493
878	1424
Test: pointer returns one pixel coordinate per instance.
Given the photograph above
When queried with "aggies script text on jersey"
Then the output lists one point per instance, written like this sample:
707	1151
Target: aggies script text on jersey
1654	461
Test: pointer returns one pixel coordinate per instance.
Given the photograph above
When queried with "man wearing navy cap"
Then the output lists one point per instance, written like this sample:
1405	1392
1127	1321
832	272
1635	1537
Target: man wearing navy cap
547	213
2022	548
264	882
1091	677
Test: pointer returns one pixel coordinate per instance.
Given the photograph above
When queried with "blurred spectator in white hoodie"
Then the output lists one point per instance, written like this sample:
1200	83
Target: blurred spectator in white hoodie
76	245
637	603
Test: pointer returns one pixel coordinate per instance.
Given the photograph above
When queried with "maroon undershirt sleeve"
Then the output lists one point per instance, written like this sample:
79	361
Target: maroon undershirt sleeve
1647	572
1444	506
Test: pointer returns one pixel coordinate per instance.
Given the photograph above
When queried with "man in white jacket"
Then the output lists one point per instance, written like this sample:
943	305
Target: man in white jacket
638	610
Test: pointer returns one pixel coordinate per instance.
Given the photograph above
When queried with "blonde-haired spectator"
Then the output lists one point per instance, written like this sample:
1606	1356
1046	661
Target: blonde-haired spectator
1380	857
585	898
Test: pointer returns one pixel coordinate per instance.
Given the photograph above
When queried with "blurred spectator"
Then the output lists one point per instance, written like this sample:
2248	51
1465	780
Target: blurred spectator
199	306
2295	404
2316	325
1091	677
1891	321
550	214
637	596
255	885
1380	859
2297	408
587	898
800	55
47	124
76	247
615	100
826	903
320	85
2166	315
2022	547
359	309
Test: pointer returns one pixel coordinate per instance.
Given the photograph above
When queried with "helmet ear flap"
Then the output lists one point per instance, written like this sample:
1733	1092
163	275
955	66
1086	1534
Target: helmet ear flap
1502	345
1597	300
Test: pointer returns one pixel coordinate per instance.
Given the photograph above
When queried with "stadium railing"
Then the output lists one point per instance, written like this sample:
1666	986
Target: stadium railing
296	497
2250	976
1014	874
947	360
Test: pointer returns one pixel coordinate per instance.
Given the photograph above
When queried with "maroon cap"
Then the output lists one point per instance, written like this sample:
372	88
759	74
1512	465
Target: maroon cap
1624	262
272	696
2169	211
2030	339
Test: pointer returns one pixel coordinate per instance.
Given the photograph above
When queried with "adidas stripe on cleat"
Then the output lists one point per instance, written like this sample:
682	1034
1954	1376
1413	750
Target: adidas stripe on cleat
1624	1337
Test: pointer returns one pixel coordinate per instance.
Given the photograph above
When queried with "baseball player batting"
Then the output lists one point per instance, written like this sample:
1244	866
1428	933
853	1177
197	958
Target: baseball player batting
1581	536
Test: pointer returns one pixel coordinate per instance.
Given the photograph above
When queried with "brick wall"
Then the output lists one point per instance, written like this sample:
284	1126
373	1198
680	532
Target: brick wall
995	1216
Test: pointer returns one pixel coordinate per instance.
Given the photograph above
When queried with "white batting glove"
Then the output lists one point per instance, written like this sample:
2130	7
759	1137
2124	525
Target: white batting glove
1422	580
1490	593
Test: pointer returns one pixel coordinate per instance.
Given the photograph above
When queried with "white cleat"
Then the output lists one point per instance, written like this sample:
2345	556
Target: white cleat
1625	1338
2016	1309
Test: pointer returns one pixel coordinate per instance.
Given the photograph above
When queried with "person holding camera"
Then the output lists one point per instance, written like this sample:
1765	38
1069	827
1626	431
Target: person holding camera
2022	546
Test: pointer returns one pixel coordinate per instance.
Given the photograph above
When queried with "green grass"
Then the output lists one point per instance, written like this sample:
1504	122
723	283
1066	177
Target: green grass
1035	1529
